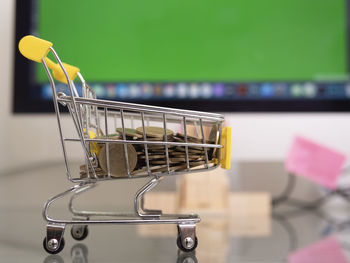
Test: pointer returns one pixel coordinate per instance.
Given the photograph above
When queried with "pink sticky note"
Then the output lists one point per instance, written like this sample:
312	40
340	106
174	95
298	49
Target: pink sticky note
325	251
315	162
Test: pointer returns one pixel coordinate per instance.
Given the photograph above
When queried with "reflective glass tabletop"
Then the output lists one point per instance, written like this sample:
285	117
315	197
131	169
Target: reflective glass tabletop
22	231
281	235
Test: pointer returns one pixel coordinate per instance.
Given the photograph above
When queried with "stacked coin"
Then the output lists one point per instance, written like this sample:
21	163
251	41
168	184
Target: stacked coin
117	159
155	153
117	164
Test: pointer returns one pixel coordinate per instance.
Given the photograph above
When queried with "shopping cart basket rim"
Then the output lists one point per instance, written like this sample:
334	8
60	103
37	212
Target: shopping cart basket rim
140	107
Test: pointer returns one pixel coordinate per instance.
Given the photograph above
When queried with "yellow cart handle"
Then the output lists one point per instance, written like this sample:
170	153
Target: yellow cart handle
57	71
36	49
225	161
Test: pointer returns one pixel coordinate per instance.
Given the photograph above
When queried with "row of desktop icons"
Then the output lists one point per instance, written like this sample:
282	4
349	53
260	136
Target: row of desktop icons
144	91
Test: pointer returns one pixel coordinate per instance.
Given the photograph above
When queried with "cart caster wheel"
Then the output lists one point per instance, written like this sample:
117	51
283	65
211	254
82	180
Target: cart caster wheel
190	244
79	232
52	247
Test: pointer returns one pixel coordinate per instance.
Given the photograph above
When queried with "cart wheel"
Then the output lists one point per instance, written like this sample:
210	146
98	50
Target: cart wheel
52	247
191	244
79	232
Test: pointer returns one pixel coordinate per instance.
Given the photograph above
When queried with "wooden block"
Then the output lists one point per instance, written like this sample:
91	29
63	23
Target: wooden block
250	214
204	191
252	226
157	230
250	203
165	201
213	234
214	239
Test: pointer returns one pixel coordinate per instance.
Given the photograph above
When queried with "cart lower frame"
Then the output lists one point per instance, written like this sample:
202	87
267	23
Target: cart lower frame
55	228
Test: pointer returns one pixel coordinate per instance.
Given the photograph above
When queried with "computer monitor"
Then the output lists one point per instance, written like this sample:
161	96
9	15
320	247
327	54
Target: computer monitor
207	55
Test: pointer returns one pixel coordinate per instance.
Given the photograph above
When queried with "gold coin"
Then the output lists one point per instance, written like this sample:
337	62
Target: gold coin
156	148
152	157
160	148
172	160
129	132
190	157
157	168
162	169
190	150
213	138
83	168
196	163
213	135
183	153
157	162
177	139
159	152
191	165
99	132
152	131
159	139
98	172
178	159
189	138
114	136
190	141
117	161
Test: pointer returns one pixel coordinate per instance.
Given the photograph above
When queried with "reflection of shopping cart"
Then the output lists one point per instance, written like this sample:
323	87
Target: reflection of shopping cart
200	145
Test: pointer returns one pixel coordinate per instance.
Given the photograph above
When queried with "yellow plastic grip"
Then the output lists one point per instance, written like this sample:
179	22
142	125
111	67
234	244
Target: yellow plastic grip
57	71
225	161
34	48
94	148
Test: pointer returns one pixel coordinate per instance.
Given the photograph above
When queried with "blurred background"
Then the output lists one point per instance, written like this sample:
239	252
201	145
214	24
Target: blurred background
274	69
260	68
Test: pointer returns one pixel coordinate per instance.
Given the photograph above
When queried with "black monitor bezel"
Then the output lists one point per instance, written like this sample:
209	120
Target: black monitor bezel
23	79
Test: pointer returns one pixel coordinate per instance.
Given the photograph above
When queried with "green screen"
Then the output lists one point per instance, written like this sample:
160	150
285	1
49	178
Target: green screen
198	40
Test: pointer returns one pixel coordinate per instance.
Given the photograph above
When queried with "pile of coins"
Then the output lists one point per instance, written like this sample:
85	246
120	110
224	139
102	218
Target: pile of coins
157	154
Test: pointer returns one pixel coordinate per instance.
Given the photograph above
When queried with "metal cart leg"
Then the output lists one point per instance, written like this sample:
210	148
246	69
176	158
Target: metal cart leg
81	189
139	201
53	199
79	232
54	242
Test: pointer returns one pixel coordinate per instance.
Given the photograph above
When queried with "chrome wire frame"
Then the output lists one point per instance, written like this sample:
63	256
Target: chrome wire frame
87	112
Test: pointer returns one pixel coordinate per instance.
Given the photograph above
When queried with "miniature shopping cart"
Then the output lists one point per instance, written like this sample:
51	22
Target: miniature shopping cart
95	122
